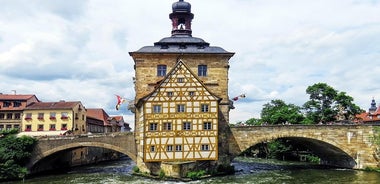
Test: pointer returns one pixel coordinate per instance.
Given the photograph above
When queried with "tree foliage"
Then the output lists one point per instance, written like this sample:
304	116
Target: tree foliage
326	104
278	112
14	154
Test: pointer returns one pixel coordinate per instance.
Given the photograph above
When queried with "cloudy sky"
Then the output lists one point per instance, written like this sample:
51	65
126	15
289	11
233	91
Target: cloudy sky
78	49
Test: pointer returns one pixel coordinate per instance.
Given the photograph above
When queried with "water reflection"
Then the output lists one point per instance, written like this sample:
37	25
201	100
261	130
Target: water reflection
250	171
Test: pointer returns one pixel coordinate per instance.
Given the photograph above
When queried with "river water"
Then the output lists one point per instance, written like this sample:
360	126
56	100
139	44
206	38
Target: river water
249	170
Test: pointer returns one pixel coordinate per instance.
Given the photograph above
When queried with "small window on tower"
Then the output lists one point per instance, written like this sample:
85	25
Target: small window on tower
161	70
181	23
202	70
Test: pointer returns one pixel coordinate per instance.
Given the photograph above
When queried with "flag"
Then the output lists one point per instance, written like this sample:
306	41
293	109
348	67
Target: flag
237	97
120	100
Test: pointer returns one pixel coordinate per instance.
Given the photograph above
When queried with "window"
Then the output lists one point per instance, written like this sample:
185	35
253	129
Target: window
52	115
178	147
180	80
28	128
191	93
156	108
40	127
64	115
161	70
153	127
152	148
28	116
205	147
9	127
186	126
9	115
207	126
204	108
17	115
180	108
16	126
167	126
40	116
6	104
170	94
16	104
52	127
64	127
2	115
1	127
202	70
169	148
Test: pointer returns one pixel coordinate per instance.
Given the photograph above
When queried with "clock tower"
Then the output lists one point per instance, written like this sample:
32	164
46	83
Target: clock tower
181	103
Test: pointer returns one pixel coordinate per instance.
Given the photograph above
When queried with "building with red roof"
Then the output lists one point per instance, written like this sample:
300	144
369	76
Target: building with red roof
372	116
11	109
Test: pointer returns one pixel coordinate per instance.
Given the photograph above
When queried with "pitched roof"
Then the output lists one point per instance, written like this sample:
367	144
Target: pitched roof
99	114
52	105
369	117
16	97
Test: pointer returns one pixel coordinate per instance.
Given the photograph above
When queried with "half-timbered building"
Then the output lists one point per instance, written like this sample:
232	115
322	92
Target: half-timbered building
181	105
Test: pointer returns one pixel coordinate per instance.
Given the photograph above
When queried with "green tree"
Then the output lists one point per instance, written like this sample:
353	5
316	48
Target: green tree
319	107
325	103
278	112
14	154
346	106
253	121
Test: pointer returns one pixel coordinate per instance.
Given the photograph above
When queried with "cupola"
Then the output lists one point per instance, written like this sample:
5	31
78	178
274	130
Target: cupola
181	18
373	107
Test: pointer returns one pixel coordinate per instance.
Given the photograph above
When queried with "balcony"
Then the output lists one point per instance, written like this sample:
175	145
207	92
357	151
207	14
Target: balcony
28	118
64	117
27	130
52	129
40	118
64	128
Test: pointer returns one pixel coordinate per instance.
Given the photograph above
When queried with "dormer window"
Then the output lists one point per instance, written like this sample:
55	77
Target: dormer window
6	104
16	104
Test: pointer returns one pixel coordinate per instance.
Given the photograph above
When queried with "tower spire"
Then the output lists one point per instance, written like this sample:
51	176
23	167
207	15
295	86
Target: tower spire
373	107
181	18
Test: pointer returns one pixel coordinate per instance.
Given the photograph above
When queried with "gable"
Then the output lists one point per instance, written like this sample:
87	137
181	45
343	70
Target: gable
181	84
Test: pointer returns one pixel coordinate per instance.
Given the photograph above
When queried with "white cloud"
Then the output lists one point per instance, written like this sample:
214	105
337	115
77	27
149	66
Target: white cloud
78	50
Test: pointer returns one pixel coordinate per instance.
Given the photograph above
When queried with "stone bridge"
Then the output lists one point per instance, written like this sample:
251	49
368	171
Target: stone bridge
348	146
121	142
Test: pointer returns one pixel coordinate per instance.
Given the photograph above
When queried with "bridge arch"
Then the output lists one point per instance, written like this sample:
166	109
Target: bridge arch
328	153
120	142
84	144
341	146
